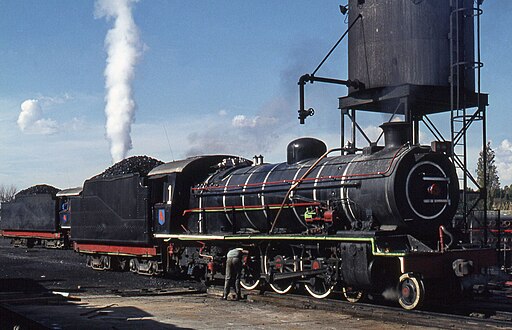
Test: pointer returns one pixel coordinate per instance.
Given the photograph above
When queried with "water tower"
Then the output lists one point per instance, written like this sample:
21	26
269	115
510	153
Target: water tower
414	58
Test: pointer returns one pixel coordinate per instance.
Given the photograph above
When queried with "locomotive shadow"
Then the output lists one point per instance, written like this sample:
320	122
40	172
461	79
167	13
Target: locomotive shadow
27	304
20	285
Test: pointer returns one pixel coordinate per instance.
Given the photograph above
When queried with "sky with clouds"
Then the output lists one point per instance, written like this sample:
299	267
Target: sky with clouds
198	77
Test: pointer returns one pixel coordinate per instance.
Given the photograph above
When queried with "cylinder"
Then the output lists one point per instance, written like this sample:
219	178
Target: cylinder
398	42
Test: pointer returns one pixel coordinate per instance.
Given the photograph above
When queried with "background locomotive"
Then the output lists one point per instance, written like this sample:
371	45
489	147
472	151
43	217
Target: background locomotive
38	215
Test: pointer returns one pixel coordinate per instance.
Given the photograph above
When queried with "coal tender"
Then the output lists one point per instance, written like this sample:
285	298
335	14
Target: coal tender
37	216
112	216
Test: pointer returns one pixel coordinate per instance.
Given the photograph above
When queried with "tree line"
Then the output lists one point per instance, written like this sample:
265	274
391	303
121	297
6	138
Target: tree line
498	198
7	193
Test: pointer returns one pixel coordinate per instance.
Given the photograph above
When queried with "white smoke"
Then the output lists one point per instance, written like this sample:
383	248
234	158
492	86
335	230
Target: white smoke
124	49
241	121
31	119
372	132
390	294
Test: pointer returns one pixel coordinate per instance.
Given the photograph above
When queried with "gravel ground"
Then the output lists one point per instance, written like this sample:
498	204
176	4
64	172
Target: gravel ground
28	277
65	270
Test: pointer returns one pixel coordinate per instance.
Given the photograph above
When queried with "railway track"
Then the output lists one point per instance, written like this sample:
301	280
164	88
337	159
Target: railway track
68	275
477	314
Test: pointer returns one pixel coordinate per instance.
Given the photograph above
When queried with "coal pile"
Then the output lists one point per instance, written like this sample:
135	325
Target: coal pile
39	189
135	164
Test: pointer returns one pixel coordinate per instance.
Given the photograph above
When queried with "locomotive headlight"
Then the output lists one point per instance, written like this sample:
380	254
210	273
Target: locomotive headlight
434	190
427	190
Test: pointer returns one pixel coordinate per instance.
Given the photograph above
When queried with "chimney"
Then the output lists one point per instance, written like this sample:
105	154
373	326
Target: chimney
396	134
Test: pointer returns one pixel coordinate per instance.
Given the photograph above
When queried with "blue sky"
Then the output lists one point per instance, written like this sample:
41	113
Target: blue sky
212	77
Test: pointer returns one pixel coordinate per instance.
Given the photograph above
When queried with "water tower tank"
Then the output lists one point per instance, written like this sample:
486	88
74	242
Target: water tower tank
399	42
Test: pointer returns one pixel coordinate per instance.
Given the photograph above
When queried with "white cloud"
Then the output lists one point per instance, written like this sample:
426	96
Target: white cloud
30	119
373	132
242	121
30	112
504	162
76	124
45	126
505	145
47	101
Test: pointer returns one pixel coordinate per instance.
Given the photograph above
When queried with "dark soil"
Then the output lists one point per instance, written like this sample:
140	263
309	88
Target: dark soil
41	269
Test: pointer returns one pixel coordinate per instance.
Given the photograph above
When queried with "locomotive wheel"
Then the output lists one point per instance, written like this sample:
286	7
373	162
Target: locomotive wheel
411	291
251	272
352	296
280	259
319	286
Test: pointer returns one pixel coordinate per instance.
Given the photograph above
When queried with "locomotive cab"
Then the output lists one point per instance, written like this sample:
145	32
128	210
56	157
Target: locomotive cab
68	198
172	183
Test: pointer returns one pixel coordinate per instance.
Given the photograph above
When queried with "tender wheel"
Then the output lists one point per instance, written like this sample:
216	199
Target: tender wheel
251	272
353	296
280	259
321	285
411	291
134	265
106	262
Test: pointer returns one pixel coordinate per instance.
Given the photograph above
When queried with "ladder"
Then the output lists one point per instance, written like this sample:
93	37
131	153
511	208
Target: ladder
463	118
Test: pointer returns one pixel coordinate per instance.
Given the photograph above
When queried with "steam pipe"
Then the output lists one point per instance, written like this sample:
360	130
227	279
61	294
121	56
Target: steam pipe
442	229
303	113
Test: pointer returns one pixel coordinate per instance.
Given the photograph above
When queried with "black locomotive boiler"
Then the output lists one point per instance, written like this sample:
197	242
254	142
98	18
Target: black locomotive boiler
396	188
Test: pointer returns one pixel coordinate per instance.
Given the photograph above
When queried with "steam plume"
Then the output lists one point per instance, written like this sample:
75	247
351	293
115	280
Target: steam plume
124	49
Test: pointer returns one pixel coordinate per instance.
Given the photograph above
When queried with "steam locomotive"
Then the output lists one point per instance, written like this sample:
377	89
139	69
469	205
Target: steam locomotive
363	223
